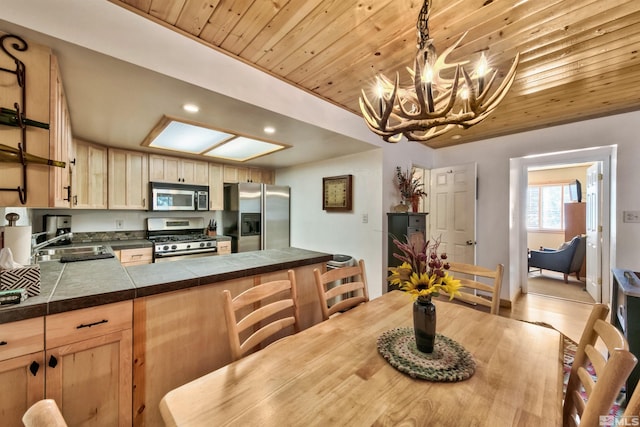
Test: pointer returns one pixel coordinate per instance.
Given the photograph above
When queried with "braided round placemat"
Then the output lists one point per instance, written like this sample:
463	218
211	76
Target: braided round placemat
449	361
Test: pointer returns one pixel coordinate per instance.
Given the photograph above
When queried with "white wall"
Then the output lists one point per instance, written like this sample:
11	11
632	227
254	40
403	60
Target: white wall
339	232
492	157
374	194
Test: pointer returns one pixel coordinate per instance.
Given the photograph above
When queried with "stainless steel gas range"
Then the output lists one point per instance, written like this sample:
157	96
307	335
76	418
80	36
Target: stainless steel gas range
179	238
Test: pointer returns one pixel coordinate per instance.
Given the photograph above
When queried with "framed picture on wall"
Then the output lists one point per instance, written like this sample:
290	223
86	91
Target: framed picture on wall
337	193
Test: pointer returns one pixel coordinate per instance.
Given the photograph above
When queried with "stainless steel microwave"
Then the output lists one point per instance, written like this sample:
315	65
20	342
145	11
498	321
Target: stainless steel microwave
178	197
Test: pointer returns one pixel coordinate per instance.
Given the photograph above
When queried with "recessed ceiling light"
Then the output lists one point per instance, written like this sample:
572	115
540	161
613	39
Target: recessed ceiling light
191	108
194	138
269	129
186	137
242	149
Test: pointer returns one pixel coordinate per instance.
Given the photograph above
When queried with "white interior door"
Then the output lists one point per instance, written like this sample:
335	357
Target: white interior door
452	218
594	232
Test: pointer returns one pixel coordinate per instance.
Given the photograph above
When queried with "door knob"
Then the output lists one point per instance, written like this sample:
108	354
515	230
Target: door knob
470	242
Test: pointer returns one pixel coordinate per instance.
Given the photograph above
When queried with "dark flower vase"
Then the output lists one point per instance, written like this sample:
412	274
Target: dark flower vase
415	203
424	324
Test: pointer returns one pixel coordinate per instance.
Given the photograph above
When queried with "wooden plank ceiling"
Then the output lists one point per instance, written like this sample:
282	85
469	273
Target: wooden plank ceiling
579	58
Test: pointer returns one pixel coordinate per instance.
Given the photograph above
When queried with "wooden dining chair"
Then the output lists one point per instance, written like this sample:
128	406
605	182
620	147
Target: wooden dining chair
610	373
341	289
491	296
44	413
633	404
259	313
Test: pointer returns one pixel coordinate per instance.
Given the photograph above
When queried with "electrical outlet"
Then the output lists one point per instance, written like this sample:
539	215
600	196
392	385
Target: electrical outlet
631	216
119	224
365	218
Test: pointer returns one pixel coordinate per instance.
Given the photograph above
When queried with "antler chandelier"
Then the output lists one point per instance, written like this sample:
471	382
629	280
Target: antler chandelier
434	104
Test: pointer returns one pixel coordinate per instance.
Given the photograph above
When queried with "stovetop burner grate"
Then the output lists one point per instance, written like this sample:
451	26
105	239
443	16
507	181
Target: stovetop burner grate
181	238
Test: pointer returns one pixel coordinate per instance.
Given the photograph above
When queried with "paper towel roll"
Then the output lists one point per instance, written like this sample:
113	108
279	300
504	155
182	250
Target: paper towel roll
18	238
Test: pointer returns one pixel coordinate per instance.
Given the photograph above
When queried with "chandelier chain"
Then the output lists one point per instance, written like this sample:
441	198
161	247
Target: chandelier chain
422	25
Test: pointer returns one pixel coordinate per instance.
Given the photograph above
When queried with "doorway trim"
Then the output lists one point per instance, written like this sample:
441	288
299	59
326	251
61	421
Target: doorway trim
517	206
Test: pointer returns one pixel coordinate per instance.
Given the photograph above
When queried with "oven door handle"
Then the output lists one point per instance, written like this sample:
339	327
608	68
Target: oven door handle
173	256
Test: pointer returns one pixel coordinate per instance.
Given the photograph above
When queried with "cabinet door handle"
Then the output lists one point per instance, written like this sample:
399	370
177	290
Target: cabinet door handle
68	188
144	202
53	362
33	368
88	325
75	200
3	343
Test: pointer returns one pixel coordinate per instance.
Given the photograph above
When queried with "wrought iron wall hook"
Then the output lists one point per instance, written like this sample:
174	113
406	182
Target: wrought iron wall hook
20	46
20	107
16	106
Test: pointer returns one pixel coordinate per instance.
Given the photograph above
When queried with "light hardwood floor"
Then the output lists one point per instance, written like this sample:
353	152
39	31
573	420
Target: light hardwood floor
566	316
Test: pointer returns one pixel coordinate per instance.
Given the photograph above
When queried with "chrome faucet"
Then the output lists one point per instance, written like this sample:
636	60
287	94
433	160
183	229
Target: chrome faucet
36	247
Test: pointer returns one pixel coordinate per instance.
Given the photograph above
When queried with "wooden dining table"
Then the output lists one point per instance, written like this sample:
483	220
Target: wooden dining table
333	374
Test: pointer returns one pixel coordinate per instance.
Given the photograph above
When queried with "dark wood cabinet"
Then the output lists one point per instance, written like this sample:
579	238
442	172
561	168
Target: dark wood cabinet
575	223
625	316
404	226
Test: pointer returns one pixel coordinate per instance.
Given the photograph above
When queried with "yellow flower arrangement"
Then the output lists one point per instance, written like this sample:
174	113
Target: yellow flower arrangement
423	271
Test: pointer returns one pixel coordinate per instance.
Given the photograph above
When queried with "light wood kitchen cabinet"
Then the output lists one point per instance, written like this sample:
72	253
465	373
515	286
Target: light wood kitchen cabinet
268	176
195	172
22	369
89	176
134	256
234	174
223	247
216	187
61	139
163	169
128	179
89	365
174	169
182	335
36	60
259	175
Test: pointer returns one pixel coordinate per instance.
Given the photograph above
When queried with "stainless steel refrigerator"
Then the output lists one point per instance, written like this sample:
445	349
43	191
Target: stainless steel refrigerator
256	216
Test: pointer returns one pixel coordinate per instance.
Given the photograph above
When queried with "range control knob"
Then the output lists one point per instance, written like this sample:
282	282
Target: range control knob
165	247
174	247
202	245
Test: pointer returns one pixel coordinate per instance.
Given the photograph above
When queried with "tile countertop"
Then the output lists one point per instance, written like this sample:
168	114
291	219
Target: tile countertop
75	285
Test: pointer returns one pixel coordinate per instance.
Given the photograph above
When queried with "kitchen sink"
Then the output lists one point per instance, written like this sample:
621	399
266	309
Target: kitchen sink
75	252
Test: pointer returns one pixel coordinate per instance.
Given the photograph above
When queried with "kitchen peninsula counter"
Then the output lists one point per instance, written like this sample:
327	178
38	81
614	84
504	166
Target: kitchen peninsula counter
76	285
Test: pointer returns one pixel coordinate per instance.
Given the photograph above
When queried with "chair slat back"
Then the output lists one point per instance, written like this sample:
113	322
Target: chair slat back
610	372
266	310
492	299
350	290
